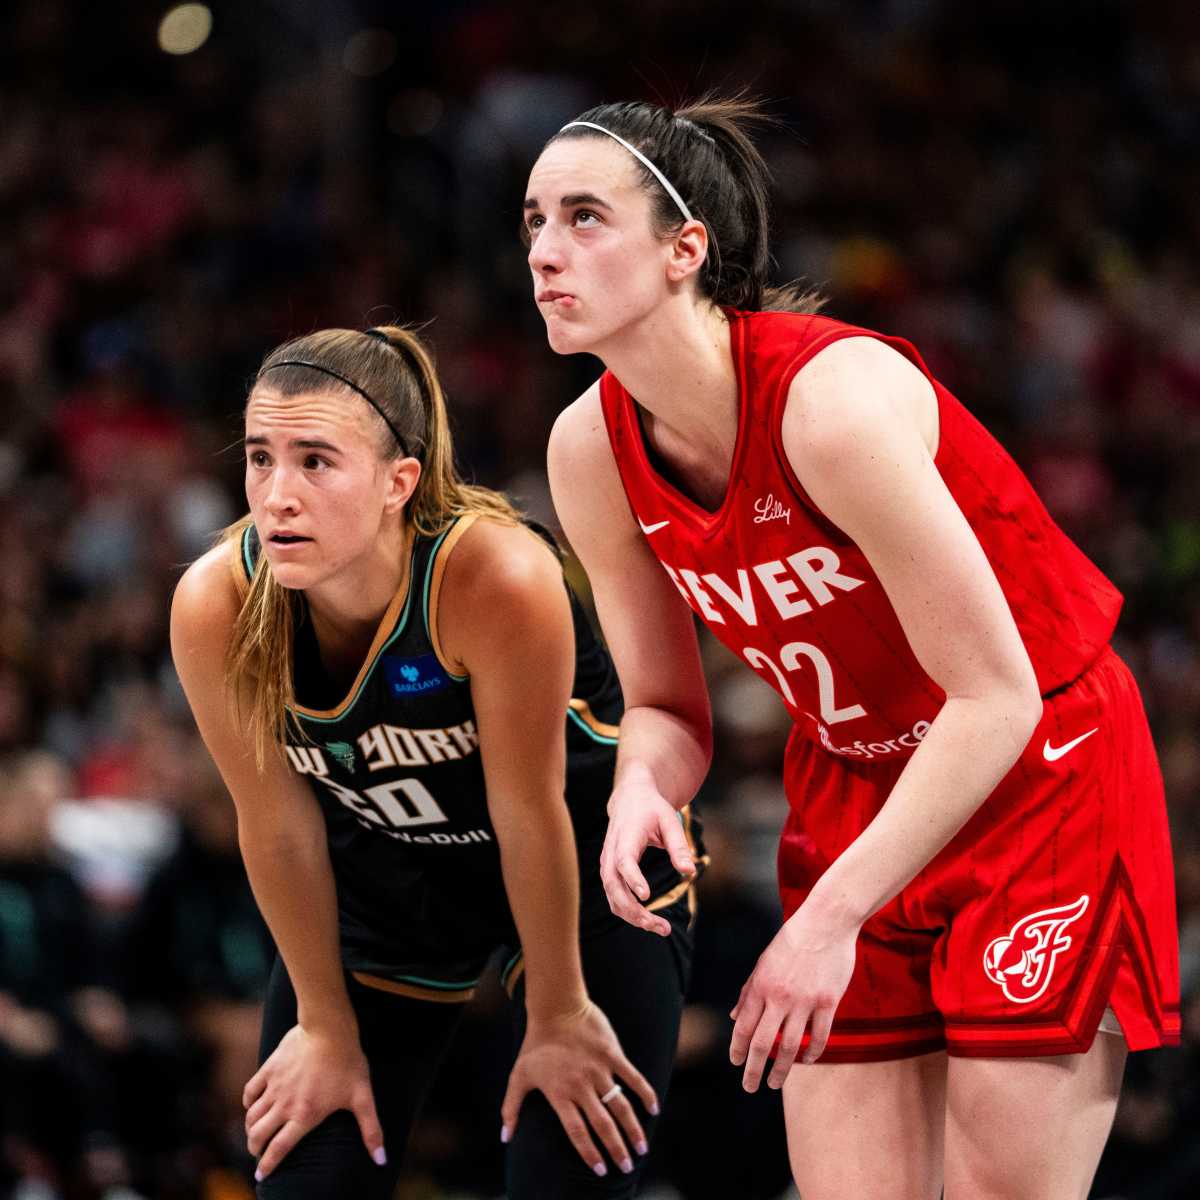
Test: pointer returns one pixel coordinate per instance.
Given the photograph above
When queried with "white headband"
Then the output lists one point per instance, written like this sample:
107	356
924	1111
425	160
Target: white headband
683	208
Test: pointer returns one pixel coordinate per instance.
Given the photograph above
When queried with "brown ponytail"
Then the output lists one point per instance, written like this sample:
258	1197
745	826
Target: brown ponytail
394	369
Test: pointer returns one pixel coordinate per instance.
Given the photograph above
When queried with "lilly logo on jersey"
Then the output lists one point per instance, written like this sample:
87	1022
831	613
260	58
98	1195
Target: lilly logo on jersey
1022	963
414	676
770	509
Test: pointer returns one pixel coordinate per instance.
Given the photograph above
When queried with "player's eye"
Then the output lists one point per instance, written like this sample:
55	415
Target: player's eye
257	458
586	217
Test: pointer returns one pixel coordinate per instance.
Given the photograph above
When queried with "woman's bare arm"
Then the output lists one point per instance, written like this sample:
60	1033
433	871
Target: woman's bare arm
283	842
666	733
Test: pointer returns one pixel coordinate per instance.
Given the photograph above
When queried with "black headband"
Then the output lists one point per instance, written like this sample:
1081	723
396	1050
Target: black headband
312	366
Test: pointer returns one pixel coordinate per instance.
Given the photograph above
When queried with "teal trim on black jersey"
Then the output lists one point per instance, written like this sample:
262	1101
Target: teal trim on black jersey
401	624
398	774
247	561
507	969
398	632
439	985
595	735
425	597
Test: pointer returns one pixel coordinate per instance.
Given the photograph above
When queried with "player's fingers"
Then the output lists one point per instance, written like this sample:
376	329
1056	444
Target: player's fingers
749	1010
605	1128
761	1044
625	888
264	1129
676	843
790	1037
510	1108
577	1132
255	1087
737	1008
368	1125
615	887
626	905
631	875
822	1023
652	922
279	1148
623	903
255	1112
633	1079
622	1112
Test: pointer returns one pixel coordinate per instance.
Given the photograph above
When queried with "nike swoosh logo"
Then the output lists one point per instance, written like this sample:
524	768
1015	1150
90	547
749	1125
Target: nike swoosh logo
1054	753
653	528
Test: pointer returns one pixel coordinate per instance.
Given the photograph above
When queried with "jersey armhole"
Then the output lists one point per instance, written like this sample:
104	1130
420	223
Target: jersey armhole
433	589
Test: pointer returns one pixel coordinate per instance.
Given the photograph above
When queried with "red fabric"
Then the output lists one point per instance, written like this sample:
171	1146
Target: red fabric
1091	824
791	594
829	642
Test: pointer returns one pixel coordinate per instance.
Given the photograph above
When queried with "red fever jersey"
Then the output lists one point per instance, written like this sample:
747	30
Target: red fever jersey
792	595
1055	901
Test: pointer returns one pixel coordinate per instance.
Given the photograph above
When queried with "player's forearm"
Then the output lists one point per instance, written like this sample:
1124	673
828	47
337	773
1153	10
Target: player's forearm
669	752
968	750
292	881
541	877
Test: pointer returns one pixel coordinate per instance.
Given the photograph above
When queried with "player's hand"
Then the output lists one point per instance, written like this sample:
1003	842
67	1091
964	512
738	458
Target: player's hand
574	1060
308	1076
639	816
798	982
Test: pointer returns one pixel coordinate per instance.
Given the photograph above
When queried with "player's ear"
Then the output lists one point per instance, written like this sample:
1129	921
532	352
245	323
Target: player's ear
689	249
403	476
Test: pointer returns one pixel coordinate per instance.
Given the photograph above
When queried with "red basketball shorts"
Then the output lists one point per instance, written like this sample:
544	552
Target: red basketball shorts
1055	901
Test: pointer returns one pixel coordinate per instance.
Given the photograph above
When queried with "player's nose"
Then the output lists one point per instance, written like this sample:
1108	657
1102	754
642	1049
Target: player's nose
546	251
281	492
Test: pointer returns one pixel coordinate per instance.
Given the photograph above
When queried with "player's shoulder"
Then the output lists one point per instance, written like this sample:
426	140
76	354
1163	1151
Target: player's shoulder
207	598
581	461
579	432
501	560
501	583
851	392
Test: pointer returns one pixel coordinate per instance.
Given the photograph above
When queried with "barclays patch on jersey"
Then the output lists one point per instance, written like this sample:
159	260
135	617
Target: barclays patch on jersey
414	676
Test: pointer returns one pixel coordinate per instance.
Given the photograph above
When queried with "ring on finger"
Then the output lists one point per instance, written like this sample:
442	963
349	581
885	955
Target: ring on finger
612	1093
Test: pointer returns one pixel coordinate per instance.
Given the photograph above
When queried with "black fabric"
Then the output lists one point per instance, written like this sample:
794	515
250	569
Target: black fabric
404	1041
421	895
638	979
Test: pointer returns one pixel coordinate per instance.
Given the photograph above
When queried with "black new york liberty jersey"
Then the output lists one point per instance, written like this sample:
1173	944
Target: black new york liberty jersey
395	765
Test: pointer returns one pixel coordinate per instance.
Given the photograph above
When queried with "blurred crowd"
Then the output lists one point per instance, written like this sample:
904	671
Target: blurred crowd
1012	186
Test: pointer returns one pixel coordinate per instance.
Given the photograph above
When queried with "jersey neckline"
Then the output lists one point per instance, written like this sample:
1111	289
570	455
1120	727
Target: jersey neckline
708	520
391	625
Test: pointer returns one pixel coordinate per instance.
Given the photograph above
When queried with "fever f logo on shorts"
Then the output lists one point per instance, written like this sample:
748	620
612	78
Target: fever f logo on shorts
1022	962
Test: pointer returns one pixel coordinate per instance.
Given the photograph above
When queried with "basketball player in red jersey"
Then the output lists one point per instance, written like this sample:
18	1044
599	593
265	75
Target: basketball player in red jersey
975	868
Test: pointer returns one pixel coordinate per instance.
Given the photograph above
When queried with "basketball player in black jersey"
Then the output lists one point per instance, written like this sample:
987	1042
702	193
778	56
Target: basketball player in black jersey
399	689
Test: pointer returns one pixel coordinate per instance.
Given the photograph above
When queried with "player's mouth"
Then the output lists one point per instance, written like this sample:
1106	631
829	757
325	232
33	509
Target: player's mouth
284	540
557	299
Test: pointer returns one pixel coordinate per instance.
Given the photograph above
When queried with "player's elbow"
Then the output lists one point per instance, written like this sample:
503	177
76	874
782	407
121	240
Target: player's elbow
1023	709
1031	710
699	725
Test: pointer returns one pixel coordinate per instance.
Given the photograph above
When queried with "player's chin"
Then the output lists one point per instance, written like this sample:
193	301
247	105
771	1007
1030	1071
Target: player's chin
293	575
565	337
